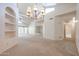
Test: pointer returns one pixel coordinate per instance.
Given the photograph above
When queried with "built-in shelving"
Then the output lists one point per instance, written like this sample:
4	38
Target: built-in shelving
10	30
9	14
8	27
10	24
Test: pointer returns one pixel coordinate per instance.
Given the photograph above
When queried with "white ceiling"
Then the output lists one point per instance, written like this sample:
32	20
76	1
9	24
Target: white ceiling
23	7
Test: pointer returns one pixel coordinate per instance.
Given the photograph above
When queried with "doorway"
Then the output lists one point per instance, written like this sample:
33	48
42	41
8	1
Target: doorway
69	29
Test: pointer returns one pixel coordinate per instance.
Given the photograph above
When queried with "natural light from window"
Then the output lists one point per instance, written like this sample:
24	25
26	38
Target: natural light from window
48	10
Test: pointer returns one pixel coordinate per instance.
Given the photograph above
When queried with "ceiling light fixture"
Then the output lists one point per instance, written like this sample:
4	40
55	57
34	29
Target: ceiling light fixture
35	13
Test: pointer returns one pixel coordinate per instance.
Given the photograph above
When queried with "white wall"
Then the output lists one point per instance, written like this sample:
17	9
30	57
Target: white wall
4	43
1	22
59	23
48	27
59	28
32	28
63	8
54	29
77	27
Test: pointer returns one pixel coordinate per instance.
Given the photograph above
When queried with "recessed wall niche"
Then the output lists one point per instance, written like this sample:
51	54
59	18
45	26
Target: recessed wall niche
10	23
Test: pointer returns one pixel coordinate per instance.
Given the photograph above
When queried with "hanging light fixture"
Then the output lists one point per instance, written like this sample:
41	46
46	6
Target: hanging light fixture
35	13
29	11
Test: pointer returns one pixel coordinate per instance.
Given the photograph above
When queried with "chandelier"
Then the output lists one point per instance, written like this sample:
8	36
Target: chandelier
35	13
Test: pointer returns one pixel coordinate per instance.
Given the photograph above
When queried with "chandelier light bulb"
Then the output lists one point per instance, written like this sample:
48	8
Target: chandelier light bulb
35	9
35	13
29	9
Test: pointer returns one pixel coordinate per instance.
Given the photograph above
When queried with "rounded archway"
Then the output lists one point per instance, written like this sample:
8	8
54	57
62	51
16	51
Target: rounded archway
10	23
10	11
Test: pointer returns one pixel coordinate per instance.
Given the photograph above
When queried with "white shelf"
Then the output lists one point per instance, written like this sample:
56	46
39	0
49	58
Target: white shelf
10	30
9	22
9	14
10	25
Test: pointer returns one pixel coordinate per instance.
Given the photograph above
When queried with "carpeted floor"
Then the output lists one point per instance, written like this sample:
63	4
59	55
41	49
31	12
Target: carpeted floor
38	46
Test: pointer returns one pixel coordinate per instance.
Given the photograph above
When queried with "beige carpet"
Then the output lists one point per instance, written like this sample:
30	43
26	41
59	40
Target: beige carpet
38	46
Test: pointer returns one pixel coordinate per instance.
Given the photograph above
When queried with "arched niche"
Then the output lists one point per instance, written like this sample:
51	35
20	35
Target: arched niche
10	23
10	11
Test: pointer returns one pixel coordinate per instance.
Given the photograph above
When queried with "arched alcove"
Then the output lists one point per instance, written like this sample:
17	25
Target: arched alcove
8	27
10	23
10	11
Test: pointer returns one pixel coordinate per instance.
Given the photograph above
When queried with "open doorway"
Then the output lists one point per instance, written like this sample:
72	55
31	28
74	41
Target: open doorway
69	29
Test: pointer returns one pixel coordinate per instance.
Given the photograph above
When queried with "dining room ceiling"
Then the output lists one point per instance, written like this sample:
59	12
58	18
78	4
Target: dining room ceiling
22	7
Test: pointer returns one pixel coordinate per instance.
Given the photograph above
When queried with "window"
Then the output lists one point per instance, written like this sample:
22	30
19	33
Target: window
49	10
22	31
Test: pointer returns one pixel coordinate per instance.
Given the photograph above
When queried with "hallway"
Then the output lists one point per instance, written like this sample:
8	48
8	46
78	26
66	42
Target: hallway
38	46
